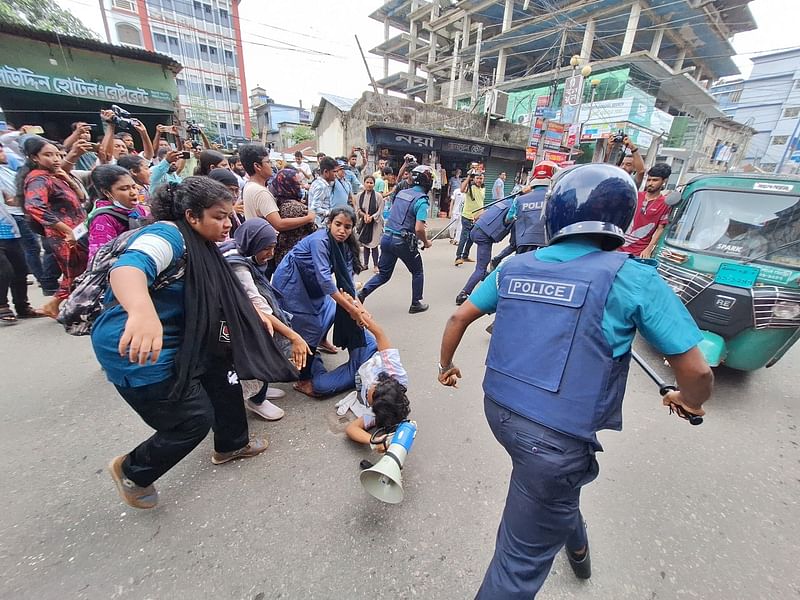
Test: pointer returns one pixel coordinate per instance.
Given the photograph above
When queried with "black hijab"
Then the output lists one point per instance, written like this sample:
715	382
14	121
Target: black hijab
216	310
346	332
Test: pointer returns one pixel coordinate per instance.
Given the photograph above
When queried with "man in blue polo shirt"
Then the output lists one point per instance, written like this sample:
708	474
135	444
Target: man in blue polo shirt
341	191
579	304
405	227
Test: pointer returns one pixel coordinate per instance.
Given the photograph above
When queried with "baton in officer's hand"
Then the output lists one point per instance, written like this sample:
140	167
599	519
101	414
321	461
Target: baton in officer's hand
664	388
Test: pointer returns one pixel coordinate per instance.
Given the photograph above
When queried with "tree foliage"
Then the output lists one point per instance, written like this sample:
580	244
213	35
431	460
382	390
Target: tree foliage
43	14
302	133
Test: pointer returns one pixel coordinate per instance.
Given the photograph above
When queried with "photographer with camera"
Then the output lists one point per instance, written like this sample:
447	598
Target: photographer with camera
632	161
159	143
474	195
194	130
82	132
114	145
404	179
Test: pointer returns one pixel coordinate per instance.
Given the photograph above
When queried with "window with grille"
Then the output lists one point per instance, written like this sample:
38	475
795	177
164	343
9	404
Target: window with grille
791	113
128	34
779	140
129	5
160	42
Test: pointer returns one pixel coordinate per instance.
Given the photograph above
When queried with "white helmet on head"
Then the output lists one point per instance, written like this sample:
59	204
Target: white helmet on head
422	175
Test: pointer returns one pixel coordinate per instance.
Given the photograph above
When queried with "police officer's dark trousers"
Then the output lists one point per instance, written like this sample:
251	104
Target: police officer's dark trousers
542	507
210	401
394	247
484	256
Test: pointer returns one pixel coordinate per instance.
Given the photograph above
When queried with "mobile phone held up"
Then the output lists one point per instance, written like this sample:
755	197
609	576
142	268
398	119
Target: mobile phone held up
185	155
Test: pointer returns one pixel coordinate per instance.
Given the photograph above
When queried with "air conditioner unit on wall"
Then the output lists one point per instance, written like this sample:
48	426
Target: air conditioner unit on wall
496	103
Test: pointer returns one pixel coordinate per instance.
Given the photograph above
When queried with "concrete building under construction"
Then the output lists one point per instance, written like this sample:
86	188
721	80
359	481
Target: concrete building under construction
649	60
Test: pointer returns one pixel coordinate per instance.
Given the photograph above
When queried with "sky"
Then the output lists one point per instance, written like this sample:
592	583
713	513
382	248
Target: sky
306	47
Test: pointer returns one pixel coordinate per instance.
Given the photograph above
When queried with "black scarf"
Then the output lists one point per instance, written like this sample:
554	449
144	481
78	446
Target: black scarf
213	295
346	332
365	237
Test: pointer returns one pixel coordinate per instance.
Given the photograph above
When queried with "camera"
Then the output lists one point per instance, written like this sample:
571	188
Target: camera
618	137
192	128
121	118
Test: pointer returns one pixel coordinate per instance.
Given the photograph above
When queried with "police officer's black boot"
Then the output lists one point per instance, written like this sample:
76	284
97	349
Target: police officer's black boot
418	307
582	567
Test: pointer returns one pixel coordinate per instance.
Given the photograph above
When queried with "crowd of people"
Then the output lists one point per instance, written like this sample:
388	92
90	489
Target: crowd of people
222	275
267	252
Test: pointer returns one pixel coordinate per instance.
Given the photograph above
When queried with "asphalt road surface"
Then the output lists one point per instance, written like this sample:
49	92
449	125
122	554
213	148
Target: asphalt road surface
707	512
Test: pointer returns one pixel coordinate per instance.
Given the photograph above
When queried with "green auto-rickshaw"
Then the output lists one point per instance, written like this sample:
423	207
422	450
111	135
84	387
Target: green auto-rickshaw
732	254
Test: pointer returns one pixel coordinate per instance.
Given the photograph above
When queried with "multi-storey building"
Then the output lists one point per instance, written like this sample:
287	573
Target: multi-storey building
769	100
276	123
649	61
205	37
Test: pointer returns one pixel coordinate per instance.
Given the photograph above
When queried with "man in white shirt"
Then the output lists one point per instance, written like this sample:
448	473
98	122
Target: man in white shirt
302	166
258	200
319	196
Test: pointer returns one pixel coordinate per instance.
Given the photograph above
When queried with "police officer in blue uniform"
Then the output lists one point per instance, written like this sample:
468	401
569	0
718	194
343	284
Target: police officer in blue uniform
581	304
494	224
404	228
528	231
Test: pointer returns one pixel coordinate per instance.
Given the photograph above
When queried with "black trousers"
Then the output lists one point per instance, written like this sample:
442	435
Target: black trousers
211	401
13	274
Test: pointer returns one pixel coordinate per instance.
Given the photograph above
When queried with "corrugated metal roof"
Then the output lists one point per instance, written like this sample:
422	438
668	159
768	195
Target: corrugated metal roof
51	37
340	102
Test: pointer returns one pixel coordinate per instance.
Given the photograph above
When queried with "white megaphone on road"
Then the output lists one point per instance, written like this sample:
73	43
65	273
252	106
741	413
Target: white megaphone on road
384	480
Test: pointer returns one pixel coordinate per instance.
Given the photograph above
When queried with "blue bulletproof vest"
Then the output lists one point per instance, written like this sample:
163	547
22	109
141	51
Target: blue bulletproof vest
402	216
548	359
492	221
529	226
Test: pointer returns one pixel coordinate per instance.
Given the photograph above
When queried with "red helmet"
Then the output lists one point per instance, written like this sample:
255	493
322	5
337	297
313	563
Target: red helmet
544	170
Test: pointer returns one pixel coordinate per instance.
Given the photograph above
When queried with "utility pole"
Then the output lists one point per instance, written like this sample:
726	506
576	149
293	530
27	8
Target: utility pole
553	90
372	80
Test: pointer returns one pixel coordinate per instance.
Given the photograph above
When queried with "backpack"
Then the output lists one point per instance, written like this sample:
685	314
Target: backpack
127	220
85	303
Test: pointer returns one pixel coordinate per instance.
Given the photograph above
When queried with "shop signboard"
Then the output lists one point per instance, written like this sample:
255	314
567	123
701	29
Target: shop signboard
406	140
536	131
556	157
572	135
29	65
554	136
546	112
111	92
573	90
530	153
463	147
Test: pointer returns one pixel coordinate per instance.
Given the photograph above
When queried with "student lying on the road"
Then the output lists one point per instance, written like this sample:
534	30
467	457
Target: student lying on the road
378	376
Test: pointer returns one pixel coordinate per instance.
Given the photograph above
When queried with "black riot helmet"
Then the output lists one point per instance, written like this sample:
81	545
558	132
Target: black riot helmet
422	176
597	199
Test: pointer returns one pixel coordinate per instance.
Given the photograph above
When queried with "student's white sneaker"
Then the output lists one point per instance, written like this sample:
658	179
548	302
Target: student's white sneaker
266	410
275	393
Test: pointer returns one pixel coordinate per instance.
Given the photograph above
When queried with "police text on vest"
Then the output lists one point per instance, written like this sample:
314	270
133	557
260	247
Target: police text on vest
537	288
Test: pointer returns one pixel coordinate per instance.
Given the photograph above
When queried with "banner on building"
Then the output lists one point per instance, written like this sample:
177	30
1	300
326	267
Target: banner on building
557	157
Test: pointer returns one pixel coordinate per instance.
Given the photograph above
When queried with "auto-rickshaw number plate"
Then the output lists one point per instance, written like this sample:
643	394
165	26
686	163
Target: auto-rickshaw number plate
741	276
